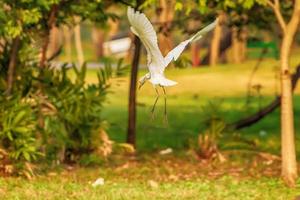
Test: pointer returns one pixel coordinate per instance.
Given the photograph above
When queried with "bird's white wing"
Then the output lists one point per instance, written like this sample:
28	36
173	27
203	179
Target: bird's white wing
175	53
142	28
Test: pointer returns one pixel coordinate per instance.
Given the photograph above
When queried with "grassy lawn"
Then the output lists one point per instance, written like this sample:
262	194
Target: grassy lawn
162	177
180	175
225	85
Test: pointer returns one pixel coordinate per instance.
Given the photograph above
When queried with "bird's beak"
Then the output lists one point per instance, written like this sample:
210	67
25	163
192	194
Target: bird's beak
141	84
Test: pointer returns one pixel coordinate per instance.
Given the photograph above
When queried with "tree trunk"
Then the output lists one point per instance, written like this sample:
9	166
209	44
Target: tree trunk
12	64
289	164
131	131
288	151
78	45
195	54
54	42
50	25
243	43
224	45
98	40
67	42
165	18
239	45
236	46
131	134
215	43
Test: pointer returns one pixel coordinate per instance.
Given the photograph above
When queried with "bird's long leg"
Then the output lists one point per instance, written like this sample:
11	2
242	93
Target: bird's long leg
165	97
153	107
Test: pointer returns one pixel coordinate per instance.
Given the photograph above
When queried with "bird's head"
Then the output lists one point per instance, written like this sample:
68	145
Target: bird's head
143	80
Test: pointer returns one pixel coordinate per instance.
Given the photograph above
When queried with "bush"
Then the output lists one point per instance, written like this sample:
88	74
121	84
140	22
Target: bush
17	132
54	114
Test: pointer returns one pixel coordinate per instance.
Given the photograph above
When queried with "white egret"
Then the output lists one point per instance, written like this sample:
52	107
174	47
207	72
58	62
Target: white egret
156	63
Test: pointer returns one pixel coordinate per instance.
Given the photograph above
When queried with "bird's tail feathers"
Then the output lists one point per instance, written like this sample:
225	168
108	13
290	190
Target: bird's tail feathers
162	81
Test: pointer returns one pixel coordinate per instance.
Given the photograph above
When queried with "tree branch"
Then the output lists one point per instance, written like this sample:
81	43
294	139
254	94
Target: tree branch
253	118
276	8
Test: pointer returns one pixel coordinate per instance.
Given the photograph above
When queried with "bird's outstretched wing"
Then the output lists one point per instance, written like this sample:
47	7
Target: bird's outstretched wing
142	28
175	53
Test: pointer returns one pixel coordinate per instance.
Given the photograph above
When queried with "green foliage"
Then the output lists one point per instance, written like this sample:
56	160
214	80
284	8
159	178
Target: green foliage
49	111
18	129
78	108
21	18
90	160
182	62
75	120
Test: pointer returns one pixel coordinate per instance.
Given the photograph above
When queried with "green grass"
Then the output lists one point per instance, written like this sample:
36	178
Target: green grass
225	188
250	177
223	83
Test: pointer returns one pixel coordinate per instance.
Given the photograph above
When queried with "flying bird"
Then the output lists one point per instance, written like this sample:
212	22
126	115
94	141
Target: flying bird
156	62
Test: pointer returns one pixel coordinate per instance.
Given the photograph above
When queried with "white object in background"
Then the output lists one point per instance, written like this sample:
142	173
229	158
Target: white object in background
117	46
166	151
99	181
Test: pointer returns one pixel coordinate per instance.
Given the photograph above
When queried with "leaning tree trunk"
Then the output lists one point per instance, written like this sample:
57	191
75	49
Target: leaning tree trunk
215	43
78	45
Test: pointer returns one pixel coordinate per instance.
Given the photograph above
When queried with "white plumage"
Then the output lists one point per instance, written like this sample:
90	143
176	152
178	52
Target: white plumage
156	63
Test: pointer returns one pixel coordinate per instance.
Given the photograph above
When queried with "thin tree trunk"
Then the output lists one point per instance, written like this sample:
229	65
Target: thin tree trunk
131	48
78	45
131	134
12	64
67	42
215	43
131	131
288	151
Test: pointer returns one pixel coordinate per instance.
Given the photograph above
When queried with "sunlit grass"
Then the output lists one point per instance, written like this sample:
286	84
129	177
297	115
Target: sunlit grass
78	186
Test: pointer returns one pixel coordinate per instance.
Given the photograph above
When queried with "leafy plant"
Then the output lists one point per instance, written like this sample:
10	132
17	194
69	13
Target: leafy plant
213	131
17	129
73	125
